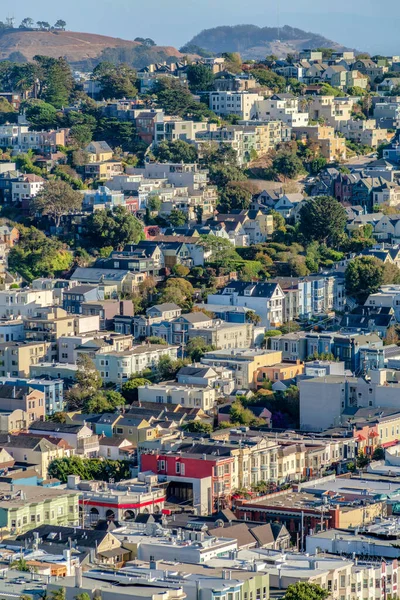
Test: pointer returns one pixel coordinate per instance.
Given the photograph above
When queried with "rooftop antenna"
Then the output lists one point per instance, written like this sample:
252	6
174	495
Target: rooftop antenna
278	14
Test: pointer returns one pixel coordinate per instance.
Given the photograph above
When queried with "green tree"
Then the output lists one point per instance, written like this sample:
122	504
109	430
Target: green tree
198	427
89	468
322	219
87	375
112	228
288	164
176	151
56	199
178	291
155	339
102	402
236	195
177	217
317	164
59	594
41	115
37	255
196	348
60	24
222	251
303	590
27	23
269	79
233	62
363	276
81	134
181	270
117	81
130	388
379	453
154	203
290	327
253	317
200	77
57	82
20	565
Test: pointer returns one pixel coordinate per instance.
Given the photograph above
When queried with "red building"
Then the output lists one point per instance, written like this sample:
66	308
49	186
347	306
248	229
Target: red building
196	474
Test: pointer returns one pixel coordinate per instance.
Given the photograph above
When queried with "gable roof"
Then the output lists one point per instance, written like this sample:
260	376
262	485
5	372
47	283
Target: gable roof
255	290
239	532
166	306
98	147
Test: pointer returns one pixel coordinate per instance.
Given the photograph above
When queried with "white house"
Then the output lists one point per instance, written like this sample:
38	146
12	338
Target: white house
26	187
189	396
235	103
281	107
266	299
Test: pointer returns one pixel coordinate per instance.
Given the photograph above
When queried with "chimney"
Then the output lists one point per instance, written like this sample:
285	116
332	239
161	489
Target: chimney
78	577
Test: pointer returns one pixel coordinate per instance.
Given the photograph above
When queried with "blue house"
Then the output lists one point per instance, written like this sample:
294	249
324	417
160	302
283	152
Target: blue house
74	297
53	390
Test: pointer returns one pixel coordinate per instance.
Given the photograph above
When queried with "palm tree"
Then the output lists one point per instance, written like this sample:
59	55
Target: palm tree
20	565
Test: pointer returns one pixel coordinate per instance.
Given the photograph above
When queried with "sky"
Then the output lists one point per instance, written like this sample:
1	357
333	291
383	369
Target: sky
357	24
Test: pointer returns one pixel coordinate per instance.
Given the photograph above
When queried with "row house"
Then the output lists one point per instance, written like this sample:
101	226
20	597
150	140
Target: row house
332	110
209	470
281	107
266	299
117	367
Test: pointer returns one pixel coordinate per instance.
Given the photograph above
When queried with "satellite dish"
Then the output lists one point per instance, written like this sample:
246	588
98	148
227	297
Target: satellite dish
219	523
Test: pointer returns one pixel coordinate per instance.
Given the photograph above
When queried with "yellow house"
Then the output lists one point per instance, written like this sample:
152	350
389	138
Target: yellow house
135	429
16	358
99	152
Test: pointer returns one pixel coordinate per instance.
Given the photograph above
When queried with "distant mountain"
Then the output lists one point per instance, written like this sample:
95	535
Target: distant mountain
256	42
80	49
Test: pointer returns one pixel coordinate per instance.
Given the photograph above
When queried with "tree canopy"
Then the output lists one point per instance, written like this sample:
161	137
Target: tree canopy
322	219
112	228
37	255
55	199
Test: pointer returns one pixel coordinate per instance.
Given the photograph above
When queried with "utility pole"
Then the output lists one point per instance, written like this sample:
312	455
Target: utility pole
302	532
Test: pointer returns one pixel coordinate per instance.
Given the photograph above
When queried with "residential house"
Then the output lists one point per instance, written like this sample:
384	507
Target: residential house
134	429
266	299
330	145
29	401
99	152
24	506
35	450
187	396
243	362
79	437
117	367
115	448
17	357
102	171
25	188
281	107
242	104
53	391
75	297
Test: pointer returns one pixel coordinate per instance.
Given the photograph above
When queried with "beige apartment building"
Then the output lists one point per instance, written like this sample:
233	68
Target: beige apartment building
243	362
331	146
48	325
333	110
16	358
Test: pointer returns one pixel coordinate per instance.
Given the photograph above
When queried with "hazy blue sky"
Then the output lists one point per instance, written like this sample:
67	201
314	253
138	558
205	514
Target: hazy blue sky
174	22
